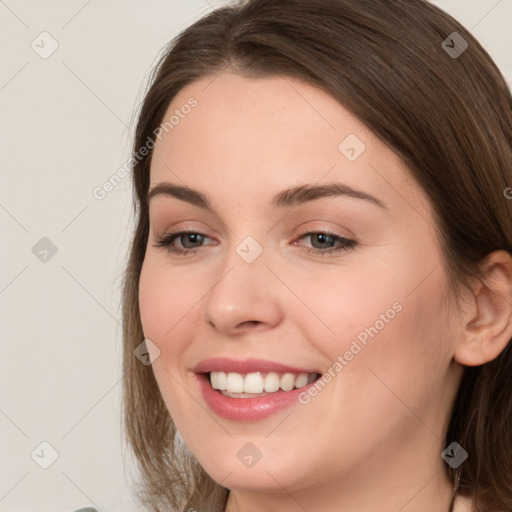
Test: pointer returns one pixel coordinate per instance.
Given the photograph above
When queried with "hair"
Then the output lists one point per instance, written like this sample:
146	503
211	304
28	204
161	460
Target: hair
449	119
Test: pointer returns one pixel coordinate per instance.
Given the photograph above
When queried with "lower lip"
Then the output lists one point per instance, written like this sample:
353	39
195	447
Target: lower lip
247	409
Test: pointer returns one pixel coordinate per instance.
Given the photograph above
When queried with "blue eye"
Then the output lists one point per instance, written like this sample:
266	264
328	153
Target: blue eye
188	238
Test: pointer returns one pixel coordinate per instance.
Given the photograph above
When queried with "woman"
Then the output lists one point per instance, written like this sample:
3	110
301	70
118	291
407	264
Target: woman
321	269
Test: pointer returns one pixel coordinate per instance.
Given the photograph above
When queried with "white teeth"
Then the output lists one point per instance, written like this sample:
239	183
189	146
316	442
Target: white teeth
219	380
235	383
253	383
302	380
257	383
271	382
287	382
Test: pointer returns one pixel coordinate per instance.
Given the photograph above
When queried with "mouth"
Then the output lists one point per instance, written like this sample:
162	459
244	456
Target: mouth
251	389
257	384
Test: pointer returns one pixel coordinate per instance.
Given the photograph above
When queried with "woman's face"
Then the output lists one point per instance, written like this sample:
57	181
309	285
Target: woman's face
270	276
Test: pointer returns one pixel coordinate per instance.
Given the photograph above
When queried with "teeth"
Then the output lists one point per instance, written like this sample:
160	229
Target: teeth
219	380
253	383
287	382
272	382
235	383
302	380
258	383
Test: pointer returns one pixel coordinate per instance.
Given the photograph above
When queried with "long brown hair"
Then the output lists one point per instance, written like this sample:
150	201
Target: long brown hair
448	115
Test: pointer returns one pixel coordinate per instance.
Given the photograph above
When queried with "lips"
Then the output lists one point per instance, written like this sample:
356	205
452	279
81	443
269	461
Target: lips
237	390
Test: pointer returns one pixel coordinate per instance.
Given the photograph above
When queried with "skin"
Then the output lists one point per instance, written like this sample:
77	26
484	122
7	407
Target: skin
372	438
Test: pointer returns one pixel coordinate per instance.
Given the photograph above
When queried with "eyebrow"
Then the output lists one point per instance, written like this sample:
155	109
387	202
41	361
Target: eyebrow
290	197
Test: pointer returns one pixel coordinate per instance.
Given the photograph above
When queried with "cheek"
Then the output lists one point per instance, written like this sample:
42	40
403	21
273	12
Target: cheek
152	297
340	306
404	354
164	301
165	308
379	321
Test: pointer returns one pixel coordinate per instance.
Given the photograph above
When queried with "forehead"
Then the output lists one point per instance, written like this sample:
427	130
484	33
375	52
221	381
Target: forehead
256	136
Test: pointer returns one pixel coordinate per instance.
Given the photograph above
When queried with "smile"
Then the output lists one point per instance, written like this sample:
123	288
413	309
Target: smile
253	389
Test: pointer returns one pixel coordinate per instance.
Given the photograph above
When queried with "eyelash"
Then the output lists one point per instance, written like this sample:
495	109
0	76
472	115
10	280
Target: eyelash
346	243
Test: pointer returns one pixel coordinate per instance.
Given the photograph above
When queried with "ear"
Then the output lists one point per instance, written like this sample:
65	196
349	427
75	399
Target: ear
488	318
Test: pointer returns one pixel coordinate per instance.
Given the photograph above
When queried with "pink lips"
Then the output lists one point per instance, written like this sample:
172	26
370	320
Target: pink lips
247	409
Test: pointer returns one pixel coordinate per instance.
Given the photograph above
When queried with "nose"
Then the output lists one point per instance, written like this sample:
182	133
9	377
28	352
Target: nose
244	297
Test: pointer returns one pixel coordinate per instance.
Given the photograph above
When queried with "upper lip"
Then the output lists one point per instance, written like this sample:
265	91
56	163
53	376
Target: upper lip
225	364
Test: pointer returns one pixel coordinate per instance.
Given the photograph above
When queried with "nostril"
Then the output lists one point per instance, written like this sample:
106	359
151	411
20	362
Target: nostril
250	322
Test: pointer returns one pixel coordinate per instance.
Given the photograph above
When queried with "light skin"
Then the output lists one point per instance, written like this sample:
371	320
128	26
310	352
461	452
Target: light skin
372	438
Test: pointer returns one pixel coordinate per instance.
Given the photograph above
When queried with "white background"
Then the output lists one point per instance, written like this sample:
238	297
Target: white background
66	123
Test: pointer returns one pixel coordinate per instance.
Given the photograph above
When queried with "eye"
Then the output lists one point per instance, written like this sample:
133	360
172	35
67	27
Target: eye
325	238
189	239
